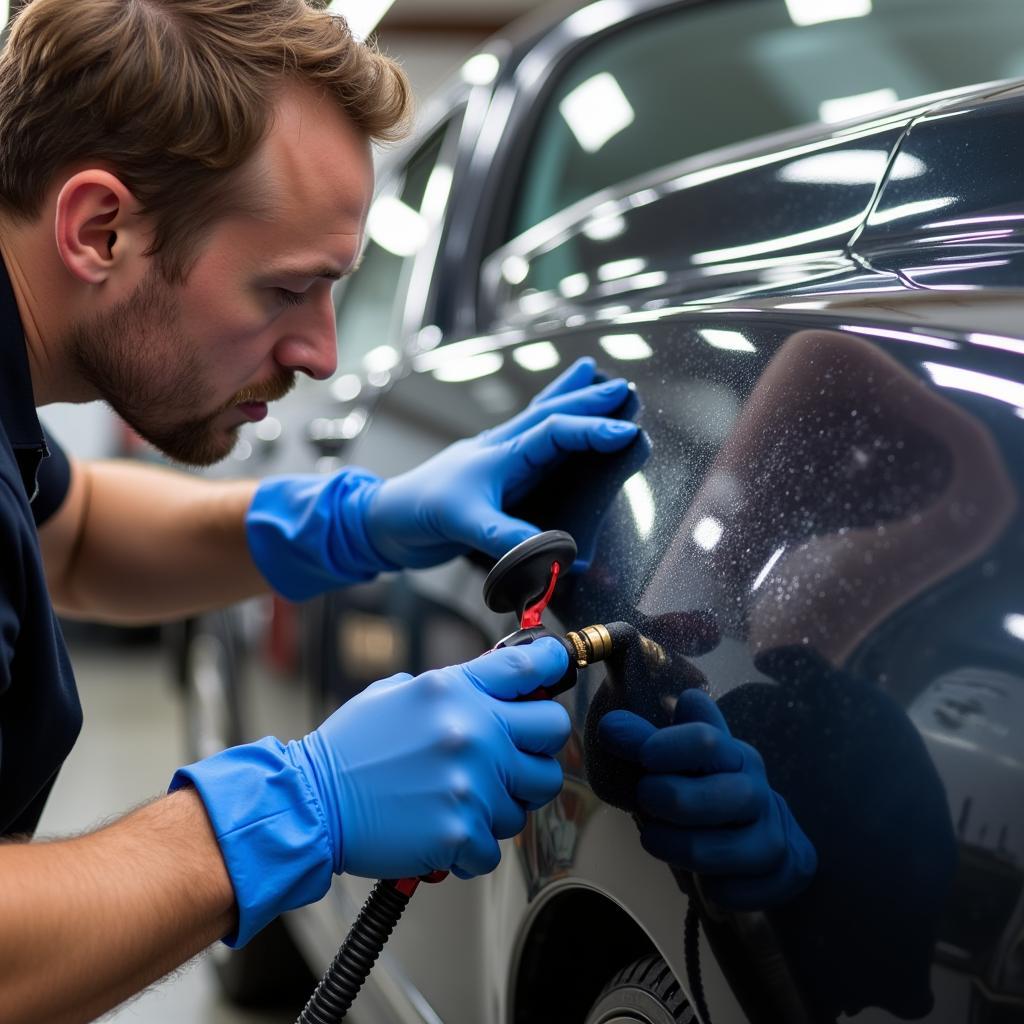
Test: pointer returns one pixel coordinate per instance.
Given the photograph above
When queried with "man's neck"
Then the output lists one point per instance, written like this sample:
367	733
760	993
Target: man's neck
36	286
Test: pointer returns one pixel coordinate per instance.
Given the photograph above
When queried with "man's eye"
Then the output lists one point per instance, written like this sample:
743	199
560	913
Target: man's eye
290	297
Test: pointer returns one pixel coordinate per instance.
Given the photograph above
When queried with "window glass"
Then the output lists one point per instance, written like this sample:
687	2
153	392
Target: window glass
369	308
716	74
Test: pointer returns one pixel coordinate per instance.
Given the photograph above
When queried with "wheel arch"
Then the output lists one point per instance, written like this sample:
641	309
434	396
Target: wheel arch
574	943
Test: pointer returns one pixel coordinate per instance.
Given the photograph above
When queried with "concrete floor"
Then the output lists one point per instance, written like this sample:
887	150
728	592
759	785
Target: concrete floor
130	746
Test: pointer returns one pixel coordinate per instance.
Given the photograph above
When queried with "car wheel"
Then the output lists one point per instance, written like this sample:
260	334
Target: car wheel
645	992
269	971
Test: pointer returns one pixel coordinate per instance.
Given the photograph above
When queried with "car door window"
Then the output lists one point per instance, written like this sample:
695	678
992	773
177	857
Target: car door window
714	74
370	307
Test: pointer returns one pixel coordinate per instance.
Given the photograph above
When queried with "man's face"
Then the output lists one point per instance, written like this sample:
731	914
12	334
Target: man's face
187	365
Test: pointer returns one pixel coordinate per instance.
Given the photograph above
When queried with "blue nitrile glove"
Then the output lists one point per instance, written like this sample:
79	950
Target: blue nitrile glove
413	775
454	502
705	805
308	534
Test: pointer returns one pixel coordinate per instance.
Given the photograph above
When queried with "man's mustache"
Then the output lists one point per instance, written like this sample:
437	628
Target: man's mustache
269	391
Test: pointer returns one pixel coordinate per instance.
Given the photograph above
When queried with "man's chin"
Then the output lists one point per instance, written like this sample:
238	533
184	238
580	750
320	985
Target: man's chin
195	449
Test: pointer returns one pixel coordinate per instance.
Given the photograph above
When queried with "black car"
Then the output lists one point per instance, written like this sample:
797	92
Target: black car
798	226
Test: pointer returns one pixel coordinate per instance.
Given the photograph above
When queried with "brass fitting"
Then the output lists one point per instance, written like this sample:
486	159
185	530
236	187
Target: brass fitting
592	643
596	643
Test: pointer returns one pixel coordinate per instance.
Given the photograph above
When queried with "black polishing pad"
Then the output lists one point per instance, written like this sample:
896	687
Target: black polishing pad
522	575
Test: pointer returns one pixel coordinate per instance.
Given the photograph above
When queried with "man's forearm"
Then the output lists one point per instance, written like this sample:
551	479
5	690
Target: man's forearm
87	922
139	544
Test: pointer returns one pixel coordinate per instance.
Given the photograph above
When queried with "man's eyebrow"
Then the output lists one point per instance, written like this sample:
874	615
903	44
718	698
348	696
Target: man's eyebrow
332	273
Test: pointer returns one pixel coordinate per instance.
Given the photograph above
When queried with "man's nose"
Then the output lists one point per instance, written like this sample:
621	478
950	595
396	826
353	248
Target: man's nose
310	345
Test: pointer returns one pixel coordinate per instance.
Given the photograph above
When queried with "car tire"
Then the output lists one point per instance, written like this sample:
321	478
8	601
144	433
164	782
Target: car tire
645	992
269	971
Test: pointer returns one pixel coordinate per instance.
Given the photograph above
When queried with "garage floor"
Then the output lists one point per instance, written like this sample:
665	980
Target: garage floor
129	748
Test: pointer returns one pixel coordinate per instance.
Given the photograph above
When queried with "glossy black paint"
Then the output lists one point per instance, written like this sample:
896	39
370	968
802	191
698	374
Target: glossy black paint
954	216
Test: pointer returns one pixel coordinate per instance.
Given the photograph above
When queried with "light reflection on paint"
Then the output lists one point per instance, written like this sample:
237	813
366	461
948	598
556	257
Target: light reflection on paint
729	341
848	167
626	346
917	339
739	252
541	355
1014	625
621	268
995	341
457	371
707	533
910	210
604	229
641	503
769	565
573	286
998	388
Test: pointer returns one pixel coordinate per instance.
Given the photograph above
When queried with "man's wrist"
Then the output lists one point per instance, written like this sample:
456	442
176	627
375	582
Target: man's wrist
270	829
308	535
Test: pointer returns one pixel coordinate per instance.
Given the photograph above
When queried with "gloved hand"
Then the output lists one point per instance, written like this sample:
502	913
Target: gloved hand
411	776
705	805
308	535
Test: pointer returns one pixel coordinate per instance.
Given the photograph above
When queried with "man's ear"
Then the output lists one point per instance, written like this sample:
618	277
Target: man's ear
98	230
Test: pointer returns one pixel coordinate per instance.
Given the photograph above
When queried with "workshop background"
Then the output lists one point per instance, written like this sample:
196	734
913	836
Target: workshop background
133	737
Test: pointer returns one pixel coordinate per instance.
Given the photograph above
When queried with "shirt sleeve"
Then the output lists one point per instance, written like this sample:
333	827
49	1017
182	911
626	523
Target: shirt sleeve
54	479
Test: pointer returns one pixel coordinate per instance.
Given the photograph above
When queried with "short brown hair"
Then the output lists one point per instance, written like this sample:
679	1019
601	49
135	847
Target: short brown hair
175	95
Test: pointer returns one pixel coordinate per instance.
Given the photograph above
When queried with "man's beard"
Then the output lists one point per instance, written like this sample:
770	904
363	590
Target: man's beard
137	360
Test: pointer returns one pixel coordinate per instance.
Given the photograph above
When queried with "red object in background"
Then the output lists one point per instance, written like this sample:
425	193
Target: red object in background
283	636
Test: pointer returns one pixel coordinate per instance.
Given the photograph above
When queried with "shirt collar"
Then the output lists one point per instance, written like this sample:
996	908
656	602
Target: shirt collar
17	403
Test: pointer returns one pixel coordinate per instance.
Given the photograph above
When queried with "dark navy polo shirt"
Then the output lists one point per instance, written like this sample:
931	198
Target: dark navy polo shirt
40	715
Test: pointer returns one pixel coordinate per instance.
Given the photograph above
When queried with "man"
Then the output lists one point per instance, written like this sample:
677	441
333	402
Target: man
181	182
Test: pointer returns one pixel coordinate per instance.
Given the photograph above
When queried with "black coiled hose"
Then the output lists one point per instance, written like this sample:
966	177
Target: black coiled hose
691	948
344	978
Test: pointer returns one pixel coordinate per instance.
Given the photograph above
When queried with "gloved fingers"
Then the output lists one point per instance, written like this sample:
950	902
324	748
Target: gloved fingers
581	374
479	854
695	748
536	726
623	734
508	818
481	526
754	850
715	800
538	449
597	400
513	672
789	879
803	857
696	706
534	780
427	555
